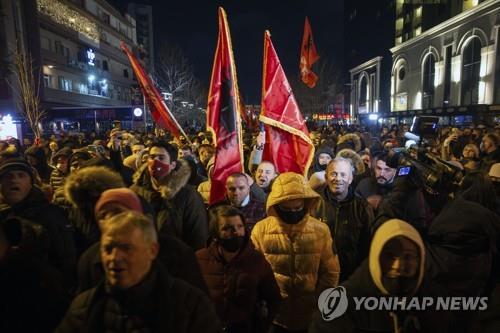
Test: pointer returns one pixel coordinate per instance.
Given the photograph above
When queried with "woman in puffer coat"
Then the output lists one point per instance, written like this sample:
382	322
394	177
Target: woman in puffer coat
240	280
299	249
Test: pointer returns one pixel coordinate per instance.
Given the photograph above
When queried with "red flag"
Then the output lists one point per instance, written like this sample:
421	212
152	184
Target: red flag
308	56
288	145
159	110
223	113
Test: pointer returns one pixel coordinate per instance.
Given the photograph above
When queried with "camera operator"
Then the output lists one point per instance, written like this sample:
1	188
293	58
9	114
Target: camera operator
376	189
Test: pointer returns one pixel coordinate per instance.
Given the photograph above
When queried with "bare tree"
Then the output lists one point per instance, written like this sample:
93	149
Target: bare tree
317	99
27	89
175	75
173	72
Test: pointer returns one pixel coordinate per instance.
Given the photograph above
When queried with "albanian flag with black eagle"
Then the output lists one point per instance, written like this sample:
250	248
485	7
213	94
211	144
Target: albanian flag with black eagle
223	113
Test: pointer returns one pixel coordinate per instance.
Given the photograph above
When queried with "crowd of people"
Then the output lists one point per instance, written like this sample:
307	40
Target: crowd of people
116	233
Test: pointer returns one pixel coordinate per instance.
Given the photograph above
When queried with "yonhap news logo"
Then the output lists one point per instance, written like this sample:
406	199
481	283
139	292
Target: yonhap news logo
333	303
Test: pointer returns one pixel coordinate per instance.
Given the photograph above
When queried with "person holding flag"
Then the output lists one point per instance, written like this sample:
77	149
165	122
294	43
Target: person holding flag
223	113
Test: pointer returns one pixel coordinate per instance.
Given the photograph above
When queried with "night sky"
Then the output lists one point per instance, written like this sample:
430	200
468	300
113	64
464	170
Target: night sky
193	26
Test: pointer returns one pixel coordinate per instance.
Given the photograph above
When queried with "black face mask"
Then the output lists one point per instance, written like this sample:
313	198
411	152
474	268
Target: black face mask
290	217
400	286
232	244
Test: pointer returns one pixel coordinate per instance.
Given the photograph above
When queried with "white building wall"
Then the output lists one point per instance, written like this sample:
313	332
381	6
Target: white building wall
479	22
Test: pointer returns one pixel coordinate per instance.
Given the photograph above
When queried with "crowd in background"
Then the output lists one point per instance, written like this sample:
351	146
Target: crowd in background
115	232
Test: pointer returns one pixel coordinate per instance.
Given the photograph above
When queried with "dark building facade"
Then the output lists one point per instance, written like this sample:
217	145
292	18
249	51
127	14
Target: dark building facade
369	34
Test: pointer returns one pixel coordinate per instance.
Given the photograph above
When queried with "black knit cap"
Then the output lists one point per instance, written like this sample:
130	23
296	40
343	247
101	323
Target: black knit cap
16	164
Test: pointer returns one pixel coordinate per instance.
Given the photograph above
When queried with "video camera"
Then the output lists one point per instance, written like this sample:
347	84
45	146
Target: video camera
427	170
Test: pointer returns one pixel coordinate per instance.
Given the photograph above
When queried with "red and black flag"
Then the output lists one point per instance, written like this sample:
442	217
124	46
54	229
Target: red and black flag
308	56
159	110
288	145
223	113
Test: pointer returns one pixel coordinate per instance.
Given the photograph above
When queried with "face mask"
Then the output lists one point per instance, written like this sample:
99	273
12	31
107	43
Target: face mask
158	169
232	244
322	167
400	286
290	217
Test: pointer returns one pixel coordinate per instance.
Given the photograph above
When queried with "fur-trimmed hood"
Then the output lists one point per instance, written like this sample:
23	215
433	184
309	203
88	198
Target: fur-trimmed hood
84	186
356	160
349	141
170	185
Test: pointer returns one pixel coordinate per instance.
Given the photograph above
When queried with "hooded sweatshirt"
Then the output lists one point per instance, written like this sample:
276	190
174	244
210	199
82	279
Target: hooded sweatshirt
367	282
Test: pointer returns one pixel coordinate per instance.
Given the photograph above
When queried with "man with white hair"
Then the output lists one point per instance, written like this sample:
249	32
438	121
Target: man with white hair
348	217
138	294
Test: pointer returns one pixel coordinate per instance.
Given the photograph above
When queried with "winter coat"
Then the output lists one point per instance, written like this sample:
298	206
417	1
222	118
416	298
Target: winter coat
58	177
177	257
461	241
413	209
300	254
366	281
460	246
179	207
37	209
237	287
82	189
349	222
159	303
32	297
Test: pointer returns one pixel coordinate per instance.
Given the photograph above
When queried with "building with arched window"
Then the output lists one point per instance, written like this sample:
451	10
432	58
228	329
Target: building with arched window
365	89
451	69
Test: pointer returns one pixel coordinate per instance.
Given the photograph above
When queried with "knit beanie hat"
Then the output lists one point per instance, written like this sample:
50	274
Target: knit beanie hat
16	164
123	196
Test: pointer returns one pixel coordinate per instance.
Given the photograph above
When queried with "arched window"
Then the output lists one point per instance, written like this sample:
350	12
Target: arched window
471	63
428	82
363	91
401	74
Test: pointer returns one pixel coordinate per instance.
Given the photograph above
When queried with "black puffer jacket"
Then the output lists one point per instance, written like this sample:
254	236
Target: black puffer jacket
349	222
37	209
160	303
179	207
